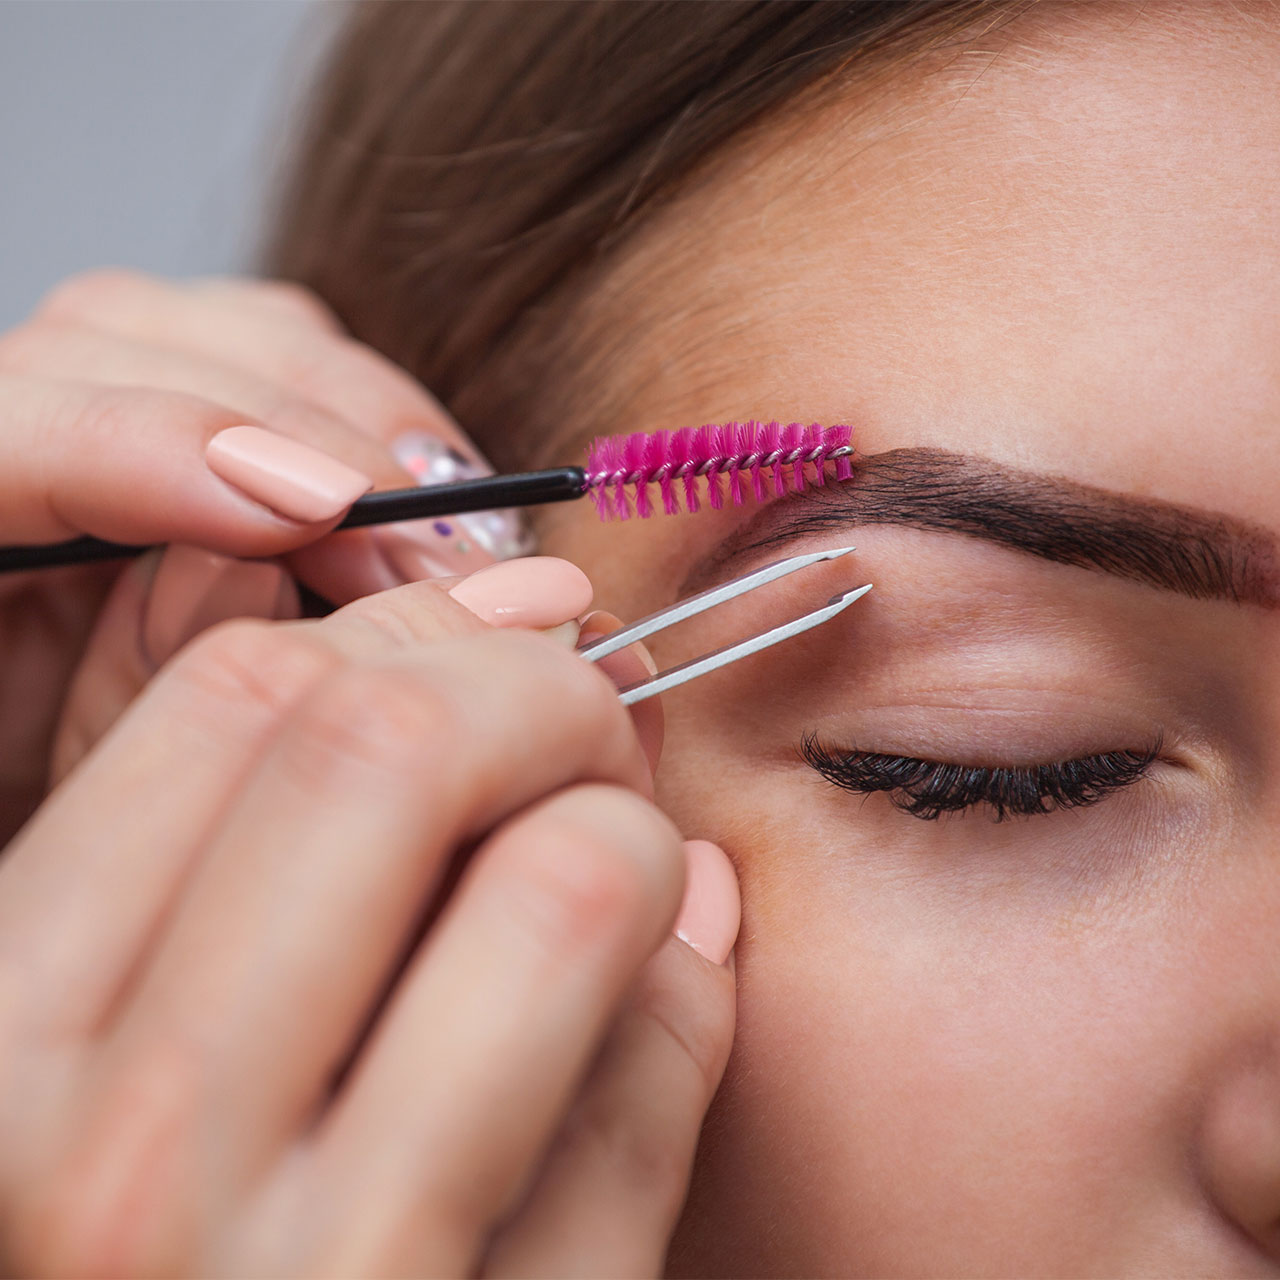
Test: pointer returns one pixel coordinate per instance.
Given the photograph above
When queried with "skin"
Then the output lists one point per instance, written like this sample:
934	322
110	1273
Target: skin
174	364
194	1080
197	1081
1041	1047
1049	1046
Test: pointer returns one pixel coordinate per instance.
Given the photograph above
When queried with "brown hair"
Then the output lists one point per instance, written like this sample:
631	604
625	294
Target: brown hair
468	164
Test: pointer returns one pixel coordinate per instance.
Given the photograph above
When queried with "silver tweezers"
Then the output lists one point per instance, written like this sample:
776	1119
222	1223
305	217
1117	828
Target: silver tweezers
704	600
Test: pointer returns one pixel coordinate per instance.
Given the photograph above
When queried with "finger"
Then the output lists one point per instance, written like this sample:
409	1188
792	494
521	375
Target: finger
339	568
534	593
280	299
86	882
163	601
492	1027
349	378
74	459
329	369
234	684
50	348
434	452
626	667
293	923
149	616
606	1200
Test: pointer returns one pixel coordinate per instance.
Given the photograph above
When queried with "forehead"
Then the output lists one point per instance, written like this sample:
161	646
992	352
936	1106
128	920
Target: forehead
1054	245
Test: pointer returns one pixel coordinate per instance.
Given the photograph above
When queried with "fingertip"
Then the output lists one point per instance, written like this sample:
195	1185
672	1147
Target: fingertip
288	477
535	592
627	667
195	589
711	912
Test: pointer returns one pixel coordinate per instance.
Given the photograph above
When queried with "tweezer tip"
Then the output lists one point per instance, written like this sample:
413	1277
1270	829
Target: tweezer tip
848	597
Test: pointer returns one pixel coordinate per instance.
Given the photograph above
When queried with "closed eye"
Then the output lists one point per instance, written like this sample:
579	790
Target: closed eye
927	789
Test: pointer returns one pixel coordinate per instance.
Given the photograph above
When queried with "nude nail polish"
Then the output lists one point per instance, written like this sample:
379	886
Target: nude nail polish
627	667
711	911
193	589
599	623
534	592
291	478
566	634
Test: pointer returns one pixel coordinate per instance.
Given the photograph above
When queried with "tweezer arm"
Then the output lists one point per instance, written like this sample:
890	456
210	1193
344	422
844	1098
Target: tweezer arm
704	600
695	667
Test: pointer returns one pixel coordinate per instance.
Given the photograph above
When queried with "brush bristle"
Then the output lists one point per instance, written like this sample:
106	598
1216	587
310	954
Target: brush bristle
756	458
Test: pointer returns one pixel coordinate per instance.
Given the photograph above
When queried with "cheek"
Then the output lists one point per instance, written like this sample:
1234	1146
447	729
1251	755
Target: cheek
938	1068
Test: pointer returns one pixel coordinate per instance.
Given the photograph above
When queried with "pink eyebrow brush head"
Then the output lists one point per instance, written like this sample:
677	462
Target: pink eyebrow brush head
721	462
732	458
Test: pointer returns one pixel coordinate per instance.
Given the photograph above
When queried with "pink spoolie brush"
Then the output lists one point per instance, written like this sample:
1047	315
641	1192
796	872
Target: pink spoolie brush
724	460
764	456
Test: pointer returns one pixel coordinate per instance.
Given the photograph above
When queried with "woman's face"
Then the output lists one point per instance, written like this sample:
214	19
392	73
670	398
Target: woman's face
1046	268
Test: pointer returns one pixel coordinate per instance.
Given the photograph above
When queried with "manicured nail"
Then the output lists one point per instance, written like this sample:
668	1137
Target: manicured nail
430	460
534	592
566	633
627	667
418	549
194	589
600	623
291	478
712	908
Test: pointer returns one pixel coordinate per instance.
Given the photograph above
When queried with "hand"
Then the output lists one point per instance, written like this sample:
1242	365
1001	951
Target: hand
169	598
344	954
109	399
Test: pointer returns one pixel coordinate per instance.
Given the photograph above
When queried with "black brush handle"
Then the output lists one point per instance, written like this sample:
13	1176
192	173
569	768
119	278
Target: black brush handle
530	489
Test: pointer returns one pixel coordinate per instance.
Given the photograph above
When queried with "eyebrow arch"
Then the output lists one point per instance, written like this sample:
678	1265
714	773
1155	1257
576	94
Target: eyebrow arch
1201	554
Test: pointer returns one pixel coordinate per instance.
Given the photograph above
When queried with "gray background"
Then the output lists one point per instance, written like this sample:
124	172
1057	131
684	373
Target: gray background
143	133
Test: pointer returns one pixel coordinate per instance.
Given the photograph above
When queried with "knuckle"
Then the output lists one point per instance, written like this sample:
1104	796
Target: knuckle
577	685
298	299
24	349
247	669
90	293
50	1232
109	415
639	1153
307	364
697	1015
370	720
597	865
111	1201
410	615
286	413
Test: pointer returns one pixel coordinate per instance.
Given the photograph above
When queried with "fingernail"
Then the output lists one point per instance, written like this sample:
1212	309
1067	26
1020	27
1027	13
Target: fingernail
291	478
534	592
600	623
627	667
712	908
421	549
193	589
566	633
430	460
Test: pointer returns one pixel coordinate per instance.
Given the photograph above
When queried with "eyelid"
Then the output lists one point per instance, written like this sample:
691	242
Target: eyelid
927	789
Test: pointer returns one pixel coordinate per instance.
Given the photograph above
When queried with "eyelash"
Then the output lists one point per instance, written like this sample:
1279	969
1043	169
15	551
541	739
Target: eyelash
927	789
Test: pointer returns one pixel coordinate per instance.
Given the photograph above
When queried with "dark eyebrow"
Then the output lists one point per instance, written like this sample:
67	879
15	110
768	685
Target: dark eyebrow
1201	554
